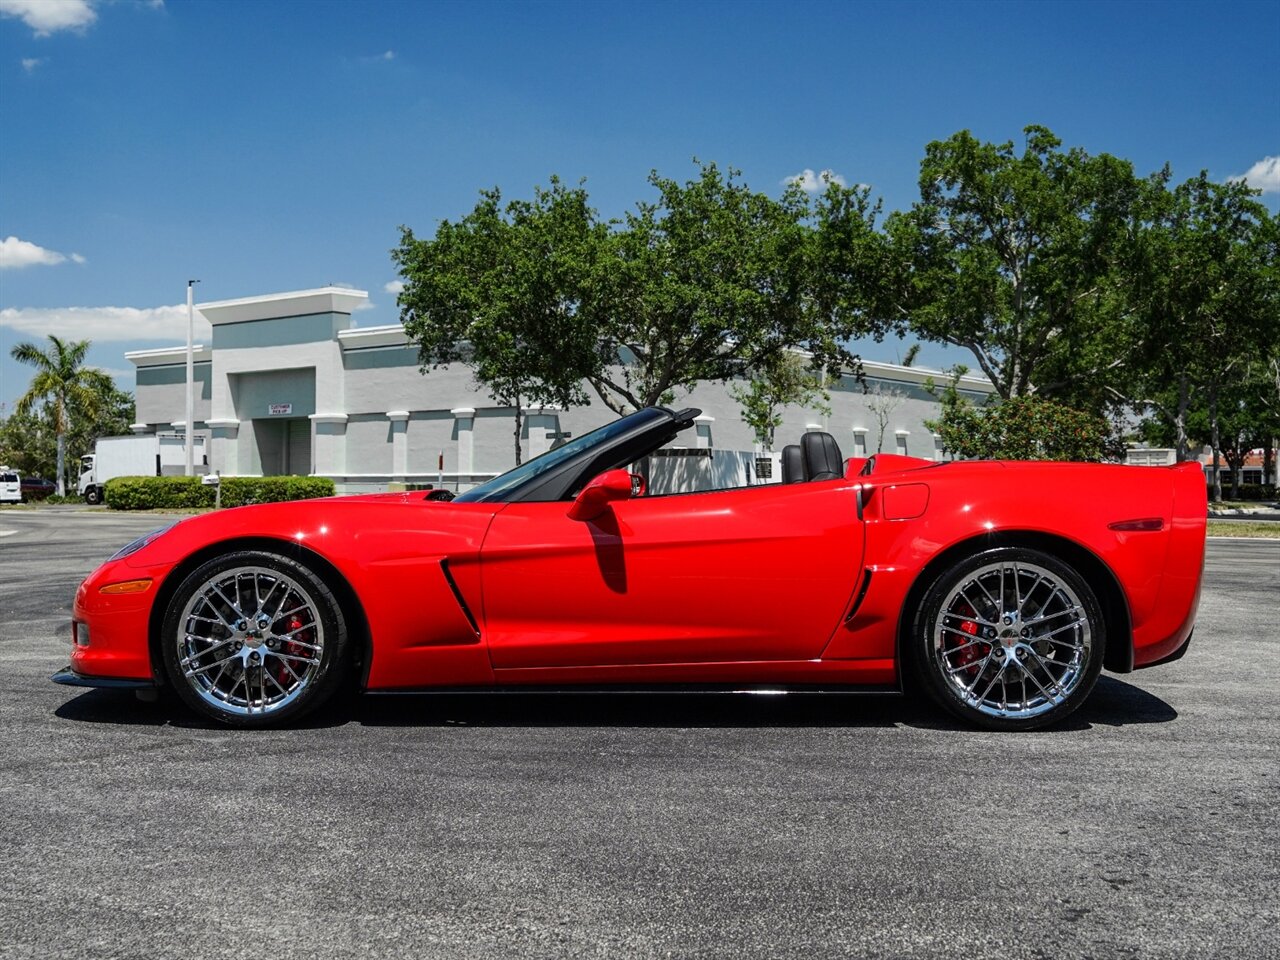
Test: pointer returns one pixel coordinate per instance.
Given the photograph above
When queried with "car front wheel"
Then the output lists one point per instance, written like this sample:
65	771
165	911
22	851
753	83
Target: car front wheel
1009	639
252	638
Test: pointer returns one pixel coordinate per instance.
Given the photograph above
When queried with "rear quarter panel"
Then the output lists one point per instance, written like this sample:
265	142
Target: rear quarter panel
981	504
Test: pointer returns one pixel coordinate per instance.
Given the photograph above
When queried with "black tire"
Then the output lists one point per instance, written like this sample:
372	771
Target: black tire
1010	623
92	496
219	639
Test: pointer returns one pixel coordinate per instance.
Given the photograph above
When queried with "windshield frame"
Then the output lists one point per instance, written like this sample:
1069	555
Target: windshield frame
558	474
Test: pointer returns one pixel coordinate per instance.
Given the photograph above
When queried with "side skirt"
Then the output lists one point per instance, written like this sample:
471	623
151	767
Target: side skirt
772	689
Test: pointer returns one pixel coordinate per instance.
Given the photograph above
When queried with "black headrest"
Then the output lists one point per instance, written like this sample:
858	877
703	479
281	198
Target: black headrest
793	464
822	457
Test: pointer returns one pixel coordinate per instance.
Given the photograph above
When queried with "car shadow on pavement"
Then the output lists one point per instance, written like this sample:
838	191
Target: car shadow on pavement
1113	703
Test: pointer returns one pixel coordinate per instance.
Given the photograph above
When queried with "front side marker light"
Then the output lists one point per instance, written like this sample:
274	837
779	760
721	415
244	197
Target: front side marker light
127	586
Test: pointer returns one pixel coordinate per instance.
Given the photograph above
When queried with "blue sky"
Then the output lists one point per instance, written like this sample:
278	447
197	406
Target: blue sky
269	146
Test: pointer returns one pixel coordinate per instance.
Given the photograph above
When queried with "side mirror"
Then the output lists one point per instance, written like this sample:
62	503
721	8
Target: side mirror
610	486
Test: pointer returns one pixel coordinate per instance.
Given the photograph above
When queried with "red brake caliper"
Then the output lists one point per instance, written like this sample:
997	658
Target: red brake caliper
284	676
969	654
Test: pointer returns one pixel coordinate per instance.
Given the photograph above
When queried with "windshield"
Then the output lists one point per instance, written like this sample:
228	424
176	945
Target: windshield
493	489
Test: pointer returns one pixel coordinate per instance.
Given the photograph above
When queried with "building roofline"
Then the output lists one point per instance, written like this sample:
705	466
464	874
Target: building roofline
293	303
161	356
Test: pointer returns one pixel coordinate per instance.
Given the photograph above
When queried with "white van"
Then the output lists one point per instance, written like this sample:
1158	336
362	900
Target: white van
10	486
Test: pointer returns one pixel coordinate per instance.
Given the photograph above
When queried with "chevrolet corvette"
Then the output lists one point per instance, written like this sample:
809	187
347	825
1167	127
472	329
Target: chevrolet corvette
999	590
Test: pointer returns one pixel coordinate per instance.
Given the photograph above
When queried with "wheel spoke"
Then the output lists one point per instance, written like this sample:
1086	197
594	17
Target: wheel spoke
963	646
293	673
271	676
295	657
982	698
1051	616
186	661
206	668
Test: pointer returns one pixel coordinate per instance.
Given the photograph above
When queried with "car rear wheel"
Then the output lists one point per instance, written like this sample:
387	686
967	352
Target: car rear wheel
253	638
1009	639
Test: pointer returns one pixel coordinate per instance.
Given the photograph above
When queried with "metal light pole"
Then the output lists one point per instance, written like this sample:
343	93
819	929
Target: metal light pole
191	379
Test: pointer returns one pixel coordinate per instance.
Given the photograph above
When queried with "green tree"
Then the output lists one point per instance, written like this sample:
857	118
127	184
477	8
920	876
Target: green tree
709	281
1206	303
64	387
28	441
502	290
1013	255
706	282
783	380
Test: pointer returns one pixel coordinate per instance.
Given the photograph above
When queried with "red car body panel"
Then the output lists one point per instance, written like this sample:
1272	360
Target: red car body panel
798	584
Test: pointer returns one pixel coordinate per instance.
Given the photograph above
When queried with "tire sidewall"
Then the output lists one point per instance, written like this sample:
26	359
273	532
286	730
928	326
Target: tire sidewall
922	656
333	656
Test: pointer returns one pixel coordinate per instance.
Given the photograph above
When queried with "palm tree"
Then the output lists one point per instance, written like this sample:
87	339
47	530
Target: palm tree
63	385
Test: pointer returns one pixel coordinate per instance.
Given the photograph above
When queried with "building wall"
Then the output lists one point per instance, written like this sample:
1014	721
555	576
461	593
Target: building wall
161	396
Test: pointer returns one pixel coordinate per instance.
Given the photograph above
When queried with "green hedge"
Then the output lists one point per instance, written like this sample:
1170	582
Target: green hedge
1248	491
147	493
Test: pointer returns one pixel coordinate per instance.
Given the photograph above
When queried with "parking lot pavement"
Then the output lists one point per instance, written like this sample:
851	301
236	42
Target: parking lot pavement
496	826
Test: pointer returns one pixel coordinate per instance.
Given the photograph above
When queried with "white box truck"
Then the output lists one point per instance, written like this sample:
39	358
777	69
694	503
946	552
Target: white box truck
146	455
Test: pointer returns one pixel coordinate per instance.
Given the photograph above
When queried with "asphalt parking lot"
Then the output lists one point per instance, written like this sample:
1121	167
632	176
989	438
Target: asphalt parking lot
519	826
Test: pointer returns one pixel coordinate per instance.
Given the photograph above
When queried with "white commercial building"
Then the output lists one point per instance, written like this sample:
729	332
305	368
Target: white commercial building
290	385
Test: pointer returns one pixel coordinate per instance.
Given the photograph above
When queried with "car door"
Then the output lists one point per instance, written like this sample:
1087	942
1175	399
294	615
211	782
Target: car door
761	573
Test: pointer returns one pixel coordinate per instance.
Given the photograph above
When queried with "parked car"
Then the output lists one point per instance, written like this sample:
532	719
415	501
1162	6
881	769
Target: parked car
1001	588
37	488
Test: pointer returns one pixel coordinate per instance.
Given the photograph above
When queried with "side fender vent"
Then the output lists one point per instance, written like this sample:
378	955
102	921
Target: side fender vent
862	593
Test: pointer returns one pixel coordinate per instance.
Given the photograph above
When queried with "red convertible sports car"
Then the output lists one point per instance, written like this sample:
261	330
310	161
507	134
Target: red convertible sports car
998	589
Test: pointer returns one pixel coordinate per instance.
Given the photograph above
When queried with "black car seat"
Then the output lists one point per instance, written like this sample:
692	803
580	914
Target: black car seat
822	457
793	464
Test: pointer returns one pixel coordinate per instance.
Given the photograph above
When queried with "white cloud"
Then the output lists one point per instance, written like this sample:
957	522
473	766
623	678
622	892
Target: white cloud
393	286
105	323
1263	175
29	64
811	182
389	55
16	254
48	16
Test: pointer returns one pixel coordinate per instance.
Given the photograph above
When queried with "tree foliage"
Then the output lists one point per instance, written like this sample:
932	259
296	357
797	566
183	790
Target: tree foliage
503	290
1021	428
709	280
65	398
1206	304
1010	255
29	443
785	379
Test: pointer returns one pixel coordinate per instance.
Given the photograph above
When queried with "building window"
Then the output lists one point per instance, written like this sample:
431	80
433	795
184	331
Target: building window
939	448
902	443
859	441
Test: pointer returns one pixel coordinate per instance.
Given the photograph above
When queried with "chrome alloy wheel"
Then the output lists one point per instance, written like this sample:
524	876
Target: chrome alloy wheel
1012	640
250	640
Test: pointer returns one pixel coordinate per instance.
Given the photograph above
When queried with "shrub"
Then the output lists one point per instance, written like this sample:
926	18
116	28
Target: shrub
149	493
1248	491
1022	428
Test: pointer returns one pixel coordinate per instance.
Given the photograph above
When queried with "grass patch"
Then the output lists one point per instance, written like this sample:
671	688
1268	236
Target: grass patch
1264	529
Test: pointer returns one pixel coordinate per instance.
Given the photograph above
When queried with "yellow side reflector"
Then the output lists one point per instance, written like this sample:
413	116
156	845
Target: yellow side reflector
128	586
